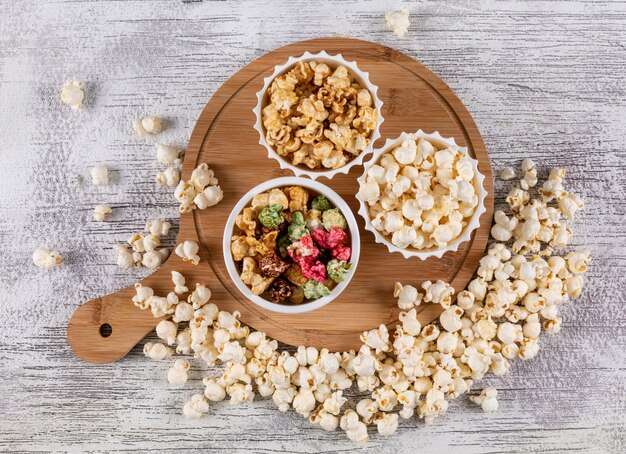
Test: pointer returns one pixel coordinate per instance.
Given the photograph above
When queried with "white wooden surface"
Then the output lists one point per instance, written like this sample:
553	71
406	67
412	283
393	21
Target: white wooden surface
542	79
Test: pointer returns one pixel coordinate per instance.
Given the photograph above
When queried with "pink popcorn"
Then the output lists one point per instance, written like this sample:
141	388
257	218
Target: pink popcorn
313	270
304	247
328	240
341	252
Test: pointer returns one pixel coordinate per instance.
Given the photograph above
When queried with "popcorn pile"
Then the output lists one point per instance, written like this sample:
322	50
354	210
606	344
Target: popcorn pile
318	116
415	369
144	248
420	196
289	249
201	191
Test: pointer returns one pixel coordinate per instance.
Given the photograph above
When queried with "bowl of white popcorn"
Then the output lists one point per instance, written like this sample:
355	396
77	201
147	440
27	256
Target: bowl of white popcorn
318	115
421	195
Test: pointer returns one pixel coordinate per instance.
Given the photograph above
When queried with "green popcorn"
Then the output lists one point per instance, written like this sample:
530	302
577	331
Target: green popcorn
338	269
321	203
297	231
282	244
272	216
333	218
298	218
314	290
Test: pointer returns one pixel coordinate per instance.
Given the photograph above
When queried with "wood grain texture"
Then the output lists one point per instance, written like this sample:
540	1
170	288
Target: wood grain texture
542	79
414	98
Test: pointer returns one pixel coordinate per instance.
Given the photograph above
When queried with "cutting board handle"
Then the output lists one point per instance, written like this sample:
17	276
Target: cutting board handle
105	329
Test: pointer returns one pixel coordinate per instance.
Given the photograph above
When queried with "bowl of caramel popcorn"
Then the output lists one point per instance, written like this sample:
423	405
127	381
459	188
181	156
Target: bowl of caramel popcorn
318	115
291	245
421	195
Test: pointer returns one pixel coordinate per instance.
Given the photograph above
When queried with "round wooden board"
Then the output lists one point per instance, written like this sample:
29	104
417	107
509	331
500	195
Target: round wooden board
414	98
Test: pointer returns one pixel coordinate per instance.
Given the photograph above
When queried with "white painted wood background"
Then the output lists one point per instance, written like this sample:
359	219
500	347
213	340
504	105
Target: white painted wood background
542	79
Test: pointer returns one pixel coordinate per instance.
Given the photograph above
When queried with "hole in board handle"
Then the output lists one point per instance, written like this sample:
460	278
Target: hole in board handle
106	330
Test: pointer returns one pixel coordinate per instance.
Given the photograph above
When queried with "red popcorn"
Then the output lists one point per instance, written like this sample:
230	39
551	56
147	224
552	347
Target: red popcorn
313	270
304	247
328	240
341	252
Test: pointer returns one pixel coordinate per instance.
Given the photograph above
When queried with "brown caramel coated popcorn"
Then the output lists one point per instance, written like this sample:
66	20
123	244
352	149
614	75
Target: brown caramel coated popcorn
280	290
318	117
272	265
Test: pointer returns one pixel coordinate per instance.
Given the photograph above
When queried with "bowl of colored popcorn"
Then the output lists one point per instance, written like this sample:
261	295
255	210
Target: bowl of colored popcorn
291	245
421	195
318	115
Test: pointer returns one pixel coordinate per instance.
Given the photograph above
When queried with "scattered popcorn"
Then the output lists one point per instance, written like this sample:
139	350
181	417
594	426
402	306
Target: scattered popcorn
196	407
201	191
177	374
99	176
100	212
179	282
188	251
46	258
144	249
414	370
419	196
147	125
168	155
167	331
158	227
157	351
398	21
487	399
507	173
72	94
170	177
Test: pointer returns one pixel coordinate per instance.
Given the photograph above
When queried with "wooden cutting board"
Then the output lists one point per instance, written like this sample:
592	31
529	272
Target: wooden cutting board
106	328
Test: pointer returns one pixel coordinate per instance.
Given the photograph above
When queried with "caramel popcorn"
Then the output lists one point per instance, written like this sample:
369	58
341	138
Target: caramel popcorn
318	117
271	265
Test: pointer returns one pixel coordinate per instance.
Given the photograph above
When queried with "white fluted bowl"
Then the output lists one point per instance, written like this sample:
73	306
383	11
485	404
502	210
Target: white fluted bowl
318	188
333	61
473	222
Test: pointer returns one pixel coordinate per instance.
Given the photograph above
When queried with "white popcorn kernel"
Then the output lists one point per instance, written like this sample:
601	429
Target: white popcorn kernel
177	374
213	390
147	125
354	428
100	212
99	176
167	154
170	177
179	282
158	227
369	191
528	165
72	94
46	258
410	323
188	251
408	296
487	399
196	407
152	259
158	351
304	402
398	21
167	331
386	423
528	348
125	259
507	173
211	196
